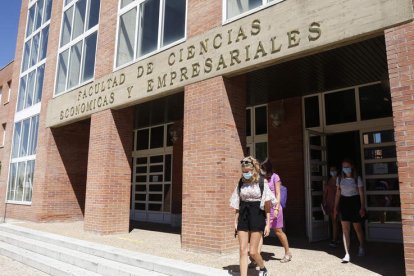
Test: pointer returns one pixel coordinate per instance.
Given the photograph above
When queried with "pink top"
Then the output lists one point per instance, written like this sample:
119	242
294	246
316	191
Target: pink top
273	180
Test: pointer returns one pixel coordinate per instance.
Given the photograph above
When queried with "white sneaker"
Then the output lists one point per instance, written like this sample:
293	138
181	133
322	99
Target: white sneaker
346	259
263	272
361	252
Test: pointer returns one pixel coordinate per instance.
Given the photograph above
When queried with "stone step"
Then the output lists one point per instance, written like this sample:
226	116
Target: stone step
127	257
89	262
42	263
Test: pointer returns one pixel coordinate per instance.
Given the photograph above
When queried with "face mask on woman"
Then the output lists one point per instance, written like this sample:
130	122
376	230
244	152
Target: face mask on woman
333	173
347	170
247	175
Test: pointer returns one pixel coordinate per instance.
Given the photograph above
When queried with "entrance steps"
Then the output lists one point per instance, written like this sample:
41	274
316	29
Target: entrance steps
59	255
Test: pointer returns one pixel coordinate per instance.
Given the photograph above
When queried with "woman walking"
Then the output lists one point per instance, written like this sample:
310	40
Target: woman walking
351	201
252	200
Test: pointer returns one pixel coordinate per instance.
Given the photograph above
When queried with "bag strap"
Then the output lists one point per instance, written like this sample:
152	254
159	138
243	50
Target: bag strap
261	184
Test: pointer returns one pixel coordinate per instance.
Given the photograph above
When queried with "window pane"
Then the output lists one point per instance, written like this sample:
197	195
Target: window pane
140	206
261	151
39	84
375	102
30	20
68	2
94	7
384	217
261	120
157	137
16	139
26	55
340	107
383	200
248	122
174	21
89	57
19	181
155	197
48	10
39	12
378	137
33	135
381	168
43	44
312	112
125	2
156	159
62	72
28	184
25	138
155	188
154	207
171	135
236	7
67	26
126	39
79	19
384	184
22	93
74	65
35	49
167	198
156	178
167	168
380	152
30	89
12	181
142	139
148	28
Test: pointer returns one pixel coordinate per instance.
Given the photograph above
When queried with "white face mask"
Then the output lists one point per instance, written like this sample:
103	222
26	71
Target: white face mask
262	172
247	175
333	173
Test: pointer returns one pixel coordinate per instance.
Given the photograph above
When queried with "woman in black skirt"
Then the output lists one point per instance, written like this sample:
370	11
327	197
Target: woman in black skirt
351	202
252	219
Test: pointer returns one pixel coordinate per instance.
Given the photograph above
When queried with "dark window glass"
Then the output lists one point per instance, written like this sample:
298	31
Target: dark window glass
167	198
383	200
375	102
156	168
170	135
156	178
141	178
140	188
315	140
142	139
167	173
141	169
93	13
312	112
155	197
157	137
388	184
141	197
141	160
174	21
140	206
384	217
380	153
261	151
154	207
378	137
158	112
381	168
248	122
157	159
340	107
261	120
142	118
155	188
148	27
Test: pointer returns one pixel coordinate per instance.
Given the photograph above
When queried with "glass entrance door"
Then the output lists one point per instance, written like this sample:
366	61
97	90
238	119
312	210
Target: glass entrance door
316	177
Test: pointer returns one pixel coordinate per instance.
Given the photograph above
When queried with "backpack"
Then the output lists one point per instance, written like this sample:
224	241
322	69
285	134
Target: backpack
283	196
261	184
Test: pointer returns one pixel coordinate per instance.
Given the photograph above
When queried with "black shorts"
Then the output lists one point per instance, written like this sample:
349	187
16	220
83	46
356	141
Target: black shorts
251	217
349	207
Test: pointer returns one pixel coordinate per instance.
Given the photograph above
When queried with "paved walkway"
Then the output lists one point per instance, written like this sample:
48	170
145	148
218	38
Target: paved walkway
308	259
9	267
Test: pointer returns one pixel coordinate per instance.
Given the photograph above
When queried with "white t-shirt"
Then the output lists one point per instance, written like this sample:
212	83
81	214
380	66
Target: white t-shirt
348	186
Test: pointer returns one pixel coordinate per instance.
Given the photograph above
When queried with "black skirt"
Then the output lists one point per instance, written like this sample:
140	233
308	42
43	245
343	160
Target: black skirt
251	217
349	207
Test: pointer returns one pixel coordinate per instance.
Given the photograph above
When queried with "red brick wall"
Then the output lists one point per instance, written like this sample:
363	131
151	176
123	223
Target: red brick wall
214	139
108	185
203	16
6	110
286	155
400	53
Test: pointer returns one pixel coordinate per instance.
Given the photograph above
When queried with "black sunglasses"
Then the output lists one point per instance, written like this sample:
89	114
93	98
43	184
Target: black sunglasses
245	162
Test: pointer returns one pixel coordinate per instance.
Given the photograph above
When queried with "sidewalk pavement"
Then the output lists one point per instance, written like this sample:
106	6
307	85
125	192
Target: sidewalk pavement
9	267
308	259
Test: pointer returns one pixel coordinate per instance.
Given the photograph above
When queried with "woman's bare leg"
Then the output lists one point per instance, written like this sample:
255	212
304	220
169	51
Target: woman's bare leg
255	239
283	239
346	228
244	247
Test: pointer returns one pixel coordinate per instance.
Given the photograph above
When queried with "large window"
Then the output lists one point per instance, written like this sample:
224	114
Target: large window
26	120
23	160
238	8
78	37
145	27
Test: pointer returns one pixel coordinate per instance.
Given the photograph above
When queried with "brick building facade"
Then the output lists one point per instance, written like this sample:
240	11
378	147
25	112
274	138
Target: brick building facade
141	110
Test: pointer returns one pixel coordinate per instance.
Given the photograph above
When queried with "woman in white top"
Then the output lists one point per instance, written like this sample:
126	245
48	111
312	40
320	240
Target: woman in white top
351	201
252	200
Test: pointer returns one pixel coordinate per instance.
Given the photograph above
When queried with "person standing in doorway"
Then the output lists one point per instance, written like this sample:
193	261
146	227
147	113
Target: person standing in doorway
252	200
351	201
329	203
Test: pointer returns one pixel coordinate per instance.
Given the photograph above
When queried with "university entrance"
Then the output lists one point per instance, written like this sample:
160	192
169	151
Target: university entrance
353	123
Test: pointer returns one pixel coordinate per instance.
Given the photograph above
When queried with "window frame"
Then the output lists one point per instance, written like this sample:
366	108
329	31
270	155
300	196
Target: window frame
136	4
82	37
265	4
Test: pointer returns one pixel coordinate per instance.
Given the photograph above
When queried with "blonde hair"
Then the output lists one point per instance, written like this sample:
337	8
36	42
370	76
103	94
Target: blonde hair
255	166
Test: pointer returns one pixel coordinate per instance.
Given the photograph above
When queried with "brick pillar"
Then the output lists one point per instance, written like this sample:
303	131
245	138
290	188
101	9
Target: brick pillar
400	55
286	155
108	185
214	139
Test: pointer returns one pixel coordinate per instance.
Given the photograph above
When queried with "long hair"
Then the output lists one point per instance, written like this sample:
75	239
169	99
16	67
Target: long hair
267	167
255	165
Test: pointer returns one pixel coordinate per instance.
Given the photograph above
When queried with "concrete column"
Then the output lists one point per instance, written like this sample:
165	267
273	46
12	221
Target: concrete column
108	185
400	55
213	139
